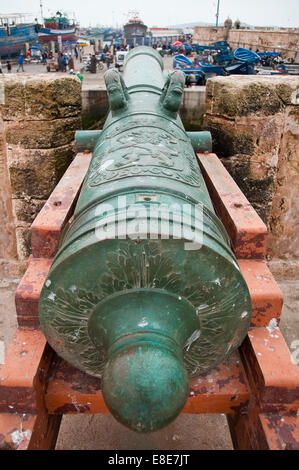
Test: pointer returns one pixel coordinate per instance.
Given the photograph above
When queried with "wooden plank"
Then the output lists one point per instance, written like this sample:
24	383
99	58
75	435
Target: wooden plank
266	296
23	431
281	430
28	292
16	430
245	228
45	431
17	374
223	390
47	228
72	391
254	430
272	375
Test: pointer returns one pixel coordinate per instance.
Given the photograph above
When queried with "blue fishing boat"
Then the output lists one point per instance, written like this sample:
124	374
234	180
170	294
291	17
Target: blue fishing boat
243	66
189	68
15	32
215	46
235	68
246	55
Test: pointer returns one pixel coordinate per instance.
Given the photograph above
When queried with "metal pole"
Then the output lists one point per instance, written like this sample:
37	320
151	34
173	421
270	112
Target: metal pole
41	11
217	14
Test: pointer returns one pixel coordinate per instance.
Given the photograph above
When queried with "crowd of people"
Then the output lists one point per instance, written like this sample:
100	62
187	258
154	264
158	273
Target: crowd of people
65	62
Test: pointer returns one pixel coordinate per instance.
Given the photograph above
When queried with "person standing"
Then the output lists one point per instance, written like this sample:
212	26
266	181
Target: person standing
44	56
1	71
71	63
65	62
8	65
93	64
60	63
108	59
20	63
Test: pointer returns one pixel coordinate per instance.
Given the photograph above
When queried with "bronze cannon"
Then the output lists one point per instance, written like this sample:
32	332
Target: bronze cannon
145	291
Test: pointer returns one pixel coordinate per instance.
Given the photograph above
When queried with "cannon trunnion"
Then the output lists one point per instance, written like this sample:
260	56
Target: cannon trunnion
144	291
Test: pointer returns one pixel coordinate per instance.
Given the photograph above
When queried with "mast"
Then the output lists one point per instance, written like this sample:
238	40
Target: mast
217	14
41	11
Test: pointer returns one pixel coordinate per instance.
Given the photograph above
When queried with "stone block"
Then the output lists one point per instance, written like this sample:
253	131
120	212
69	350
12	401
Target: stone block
23	240
248	135
14	98
47	98
254	121
35	172
39	115
42	134
244	95
255	179
42	97
284	217
230	139
193	106
7	232
26	210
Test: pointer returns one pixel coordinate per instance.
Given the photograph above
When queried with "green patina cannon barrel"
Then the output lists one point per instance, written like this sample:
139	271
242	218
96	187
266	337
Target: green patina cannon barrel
144	292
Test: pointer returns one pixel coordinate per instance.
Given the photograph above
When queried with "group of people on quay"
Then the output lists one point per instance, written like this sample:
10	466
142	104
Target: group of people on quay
64	60
61	61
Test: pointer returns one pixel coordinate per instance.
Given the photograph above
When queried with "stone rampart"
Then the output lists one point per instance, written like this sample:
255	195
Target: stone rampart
254	121
284	40
38	118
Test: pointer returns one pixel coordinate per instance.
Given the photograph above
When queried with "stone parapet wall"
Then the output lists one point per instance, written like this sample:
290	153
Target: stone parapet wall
95	107
38	118
207	34
254	122
193	107
286	40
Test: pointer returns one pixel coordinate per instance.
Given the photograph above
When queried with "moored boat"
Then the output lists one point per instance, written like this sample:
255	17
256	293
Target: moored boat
15	32
58	28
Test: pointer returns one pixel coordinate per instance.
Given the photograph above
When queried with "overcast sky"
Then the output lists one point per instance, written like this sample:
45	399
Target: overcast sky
165	12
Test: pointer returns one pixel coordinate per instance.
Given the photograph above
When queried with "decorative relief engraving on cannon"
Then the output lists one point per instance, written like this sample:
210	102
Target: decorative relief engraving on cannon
144	151
137	265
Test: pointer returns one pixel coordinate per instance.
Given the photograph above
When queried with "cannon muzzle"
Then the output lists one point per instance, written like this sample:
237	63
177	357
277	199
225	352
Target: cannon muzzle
144	292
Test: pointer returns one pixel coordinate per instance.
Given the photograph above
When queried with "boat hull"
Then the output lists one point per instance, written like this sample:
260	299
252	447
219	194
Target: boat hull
13	43
47	35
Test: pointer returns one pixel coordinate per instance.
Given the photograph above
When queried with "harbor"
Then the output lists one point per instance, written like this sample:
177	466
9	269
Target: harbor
55	40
